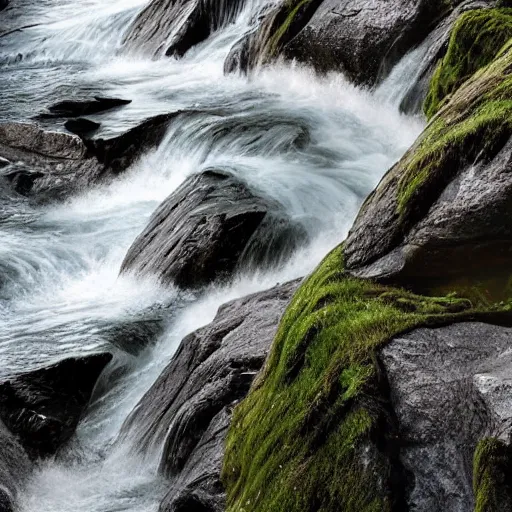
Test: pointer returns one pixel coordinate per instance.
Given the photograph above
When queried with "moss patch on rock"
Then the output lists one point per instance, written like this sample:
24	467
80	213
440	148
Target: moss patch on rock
302	440
492	476
476	39
473	126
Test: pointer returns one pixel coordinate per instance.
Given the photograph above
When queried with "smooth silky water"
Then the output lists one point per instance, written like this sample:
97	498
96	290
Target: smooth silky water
316	145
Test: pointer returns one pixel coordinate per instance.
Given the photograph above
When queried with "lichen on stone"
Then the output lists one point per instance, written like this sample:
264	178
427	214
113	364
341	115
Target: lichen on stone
315	432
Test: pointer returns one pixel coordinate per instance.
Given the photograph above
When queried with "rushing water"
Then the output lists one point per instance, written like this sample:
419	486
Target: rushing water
60	263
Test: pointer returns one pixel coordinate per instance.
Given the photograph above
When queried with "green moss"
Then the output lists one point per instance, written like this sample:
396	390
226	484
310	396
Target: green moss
492	472
289	12
473	126
296	443
476	39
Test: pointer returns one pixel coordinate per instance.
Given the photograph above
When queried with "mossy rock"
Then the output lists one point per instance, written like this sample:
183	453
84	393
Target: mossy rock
492	476
476	39
471	129
316	431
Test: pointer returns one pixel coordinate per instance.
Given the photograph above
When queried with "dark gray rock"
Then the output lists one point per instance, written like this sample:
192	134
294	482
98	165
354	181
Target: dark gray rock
364	39
72	108
209	227
3	4
450	388
435	46
189	406
15	467
465	229
172	27
43	407
52	166
81	126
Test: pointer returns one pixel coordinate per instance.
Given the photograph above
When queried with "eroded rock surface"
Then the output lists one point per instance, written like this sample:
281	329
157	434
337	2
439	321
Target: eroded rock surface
172	27
190	404
50	166
211	225
43	407
450	388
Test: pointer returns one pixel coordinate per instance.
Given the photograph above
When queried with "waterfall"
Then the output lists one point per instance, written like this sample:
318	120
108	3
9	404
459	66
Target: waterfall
60	287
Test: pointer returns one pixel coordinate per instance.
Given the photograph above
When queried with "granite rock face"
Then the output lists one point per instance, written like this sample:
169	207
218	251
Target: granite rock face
450	387
189	406
209	227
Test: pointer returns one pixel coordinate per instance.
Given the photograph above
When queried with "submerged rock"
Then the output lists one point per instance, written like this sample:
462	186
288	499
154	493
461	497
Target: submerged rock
209	227
43	407
189	406
81	127
172	27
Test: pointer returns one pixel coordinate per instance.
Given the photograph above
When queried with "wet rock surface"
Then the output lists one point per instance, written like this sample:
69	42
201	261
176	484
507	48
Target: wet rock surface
42	408
206	229
364	39
466	226
172	27
450	388
51	166
190	404
79	108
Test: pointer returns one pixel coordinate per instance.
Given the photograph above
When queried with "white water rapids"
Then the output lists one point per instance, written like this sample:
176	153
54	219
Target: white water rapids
59	264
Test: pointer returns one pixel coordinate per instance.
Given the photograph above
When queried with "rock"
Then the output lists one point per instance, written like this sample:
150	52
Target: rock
4	4
190	404
71	108
362	39
450	388
30	137
4	162
209	227
172	27
52	166
435	46
81	126
440	213
135	334
15	468
118	153
43	407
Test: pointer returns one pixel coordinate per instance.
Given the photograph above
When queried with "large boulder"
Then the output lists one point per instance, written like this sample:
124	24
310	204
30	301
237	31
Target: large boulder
374	383
43	407
15	468
172	27
441	212
362	39
190	404
451	388
212	225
